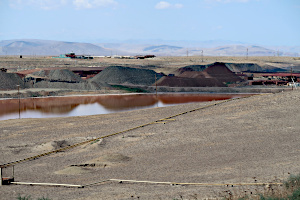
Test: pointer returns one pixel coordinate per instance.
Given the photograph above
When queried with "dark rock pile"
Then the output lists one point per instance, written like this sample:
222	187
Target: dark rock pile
215	75
125	75
60	75
9	81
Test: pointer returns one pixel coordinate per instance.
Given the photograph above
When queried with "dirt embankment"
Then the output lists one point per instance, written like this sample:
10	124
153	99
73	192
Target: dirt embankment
249	140
9	81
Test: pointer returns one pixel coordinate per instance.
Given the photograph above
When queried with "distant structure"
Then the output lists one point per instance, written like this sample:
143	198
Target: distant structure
3	70
74	56
143	57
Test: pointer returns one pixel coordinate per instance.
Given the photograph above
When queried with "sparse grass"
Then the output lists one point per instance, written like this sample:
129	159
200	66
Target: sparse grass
293	182
289	191
95	141
28	197
24	198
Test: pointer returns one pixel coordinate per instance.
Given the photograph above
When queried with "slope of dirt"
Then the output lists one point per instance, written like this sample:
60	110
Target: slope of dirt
9	81
249	140
245	67
196	68
62	75
126	75
215	75
222	73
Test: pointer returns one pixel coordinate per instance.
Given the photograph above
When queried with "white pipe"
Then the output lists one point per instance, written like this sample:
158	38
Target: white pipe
47	184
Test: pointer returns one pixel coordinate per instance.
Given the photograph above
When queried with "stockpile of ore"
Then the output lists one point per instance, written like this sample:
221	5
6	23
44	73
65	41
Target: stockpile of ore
9	81
215	75
126	75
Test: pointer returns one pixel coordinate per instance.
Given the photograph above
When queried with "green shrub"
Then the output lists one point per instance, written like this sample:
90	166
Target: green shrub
295	195
271	198
28	197
24	198
293	182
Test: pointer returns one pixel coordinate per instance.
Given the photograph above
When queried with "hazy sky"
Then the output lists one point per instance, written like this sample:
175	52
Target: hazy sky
265	22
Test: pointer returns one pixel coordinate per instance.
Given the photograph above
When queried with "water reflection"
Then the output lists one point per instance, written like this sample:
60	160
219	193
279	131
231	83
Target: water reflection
92	105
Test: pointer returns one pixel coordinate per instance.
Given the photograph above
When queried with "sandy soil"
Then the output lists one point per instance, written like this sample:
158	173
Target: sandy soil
243	140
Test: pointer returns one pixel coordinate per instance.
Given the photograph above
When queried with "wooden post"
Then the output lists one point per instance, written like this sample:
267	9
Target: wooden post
155	86
0	175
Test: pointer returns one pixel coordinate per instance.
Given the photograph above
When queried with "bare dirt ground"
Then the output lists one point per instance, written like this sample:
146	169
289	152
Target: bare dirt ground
242	140
163	64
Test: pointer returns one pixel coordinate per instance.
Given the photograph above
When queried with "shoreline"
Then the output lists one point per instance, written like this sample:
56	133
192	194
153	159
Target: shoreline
53	92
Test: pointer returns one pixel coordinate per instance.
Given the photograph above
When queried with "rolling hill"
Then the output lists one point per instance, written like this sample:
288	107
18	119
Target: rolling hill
47	47
50	47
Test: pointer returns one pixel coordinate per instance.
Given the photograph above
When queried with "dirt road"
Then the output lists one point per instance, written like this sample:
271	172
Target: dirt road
248	140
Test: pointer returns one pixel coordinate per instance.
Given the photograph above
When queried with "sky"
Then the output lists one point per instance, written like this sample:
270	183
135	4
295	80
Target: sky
261	22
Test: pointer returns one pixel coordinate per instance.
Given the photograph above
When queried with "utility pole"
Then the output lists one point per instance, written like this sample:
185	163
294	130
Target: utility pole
247	53
19	101
187	53
155	86
202	55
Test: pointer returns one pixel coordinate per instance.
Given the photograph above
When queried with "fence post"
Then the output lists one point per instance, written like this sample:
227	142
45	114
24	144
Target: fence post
0	176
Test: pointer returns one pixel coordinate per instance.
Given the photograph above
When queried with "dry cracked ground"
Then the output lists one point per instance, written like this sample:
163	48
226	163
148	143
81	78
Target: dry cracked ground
254	139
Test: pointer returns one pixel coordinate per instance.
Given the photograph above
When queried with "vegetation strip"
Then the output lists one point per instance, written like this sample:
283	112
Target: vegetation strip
113	134
175	183
136	181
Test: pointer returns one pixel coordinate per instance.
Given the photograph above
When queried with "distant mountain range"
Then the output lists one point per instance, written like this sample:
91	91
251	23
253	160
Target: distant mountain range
164	48
48	47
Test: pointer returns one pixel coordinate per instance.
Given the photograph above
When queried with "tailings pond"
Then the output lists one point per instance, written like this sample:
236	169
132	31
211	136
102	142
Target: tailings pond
94	105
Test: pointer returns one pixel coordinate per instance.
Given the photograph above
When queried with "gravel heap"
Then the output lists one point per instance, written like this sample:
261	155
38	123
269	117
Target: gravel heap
63	79
62	75
215	75
197	68
126	75
236	67
9	81
244	67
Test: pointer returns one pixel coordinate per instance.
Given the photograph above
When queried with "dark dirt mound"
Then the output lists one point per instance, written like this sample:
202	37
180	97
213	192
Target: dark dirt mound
194	74
215	75
222	73
62	75
62	79
234	67
126	75
9	81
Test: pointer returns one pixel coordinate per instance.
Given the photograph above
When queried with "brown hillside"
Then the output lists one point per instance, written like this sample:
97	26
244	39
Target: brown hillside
221	72
215	75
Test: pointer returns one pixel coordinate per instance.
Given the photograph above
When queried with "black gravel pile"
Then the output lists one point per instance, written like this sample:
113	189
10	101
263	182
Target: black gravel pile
60	75
126	75
9	81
